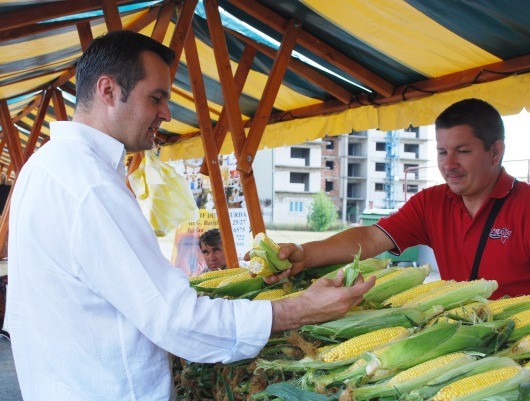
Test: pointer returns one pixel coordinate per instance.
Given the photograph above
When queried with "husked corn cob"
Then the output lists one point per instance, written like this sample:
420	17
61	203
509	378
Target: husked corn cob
265	238
270	295
365	342
413	378
454	294
475	383
424	367
522	324
397	281
260	267
504	307
216	273
402	297
213	282
234	278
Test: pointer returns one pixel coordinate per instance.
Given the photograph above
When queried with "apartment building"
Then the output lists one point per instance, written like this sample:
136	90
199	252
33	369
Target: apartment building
369	169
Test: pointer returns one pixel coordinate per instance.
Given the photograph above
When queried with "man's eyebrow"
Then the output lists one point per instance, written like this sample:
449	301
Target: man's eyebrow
163	93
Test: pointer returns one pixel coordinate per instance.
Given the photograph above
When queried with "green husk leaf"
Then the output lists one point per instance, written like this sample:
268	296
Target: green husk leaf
272	257
239	288
289	392
351	271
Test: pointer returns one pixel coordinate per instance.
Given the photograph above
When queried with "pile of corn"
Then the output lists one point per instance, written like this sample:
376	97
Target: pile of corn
409	340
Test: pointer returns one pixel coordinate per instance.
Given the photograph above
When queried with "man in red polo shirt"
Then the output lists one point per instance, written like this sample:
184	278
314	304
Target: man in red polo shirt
450	218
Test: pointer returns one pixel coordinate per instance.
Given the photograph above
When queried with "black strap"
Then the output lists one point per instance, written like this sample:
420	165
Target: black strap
484	237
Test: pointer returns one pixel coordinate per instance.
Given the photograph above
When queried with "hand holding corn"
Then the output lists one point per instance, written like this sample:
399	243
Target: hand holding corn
324	300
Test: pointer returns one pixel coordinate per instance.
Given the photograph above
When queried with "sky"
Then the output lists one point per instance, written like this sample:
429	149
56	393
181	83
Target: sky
516	155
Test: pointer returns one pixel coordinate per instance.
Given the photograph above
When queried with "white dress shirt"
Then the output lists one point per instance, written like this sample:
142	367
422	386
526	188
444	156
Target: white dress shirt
93	306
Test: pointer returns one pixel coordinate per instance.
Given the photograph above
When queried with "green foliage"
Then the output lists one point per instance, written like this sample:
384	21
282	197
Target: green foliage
322	213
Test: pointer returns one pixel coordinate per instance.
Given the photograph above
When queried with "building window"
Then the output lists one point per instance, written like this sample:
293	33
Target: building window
380	146
412	188
330	165
415	171
329	186
300	178
379	187
300	153
380	166
330	144
296	207
412	148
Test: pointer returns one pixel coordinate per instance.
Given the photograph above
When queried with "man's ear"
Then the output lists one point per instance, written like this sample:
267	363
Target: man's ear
497	150
106	90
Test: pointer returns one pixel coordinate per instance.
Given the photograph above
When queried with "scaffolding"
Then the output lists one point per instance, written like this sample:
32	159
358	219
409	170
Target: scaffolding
391	167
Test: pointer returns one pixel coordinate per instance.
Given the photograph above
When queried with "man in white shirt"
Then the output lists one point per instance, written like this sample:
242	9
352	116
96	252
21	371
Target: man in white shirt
94	307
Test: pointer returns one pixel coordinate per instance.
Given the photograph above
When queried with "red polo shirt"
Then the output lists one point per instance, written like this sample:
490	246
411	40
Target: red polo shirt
436	217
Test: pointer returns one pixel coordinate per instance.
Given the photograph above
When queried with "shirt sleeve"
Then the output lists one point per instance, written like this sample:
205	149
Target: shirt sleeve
406	227
117	255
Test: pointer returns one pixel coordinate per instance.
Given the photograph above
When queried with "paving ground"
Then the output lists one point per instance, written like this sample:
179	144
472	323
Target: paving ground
9	390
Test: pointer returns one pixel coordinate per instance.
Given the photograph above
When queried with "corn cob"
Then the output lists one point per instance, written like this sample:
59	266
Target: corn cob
262	242
522	325
505	307
395	282
518	350
440	339
364	321
270	295
401	297
454	294
216	273
290	295
261	267
478	387
412	378
452	375
357	345
238	285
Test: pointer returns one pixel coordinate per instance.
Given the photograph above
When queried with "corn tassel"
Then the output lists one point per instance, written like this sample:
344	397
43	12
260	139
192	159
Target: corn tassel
478	387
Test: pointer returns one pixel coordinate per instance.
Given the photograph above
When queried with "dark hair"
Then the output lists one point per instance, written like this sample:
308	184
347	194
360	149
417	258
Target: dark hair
211	237
116	54
481	116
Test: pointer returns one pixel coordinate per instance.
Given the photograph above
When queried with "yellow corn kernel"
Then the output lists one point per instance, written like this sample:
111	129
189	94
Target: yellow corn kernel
407	295
290	295
260	267
389	276
474	383
213	282
217	273
269	295
265	238
357	345
497	306
449	286
521	319
424	368
235	278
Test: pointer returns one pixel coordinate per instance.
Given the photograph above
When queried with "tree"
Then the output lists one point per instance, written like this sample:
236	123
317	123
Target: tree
322	212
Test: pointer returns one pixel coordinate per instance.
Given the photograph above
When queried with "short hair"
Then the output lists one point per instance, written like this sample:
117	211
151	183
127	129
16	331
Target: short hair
116	54
211	238
481	116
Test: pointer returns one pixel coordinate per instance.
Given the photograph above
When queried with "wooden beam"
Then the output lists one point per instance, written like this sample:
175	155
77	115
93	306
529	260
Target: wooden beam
274	82
165	13
231	94
37	125
47	11
185	19
84	30
301	69
112	15
221	127
11	134
59	106
211	154
4	219
316	46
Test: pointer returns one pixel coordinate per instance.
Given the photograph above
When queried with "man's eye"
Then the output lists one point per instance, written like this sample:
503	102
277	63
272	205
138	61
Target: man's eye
156	99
